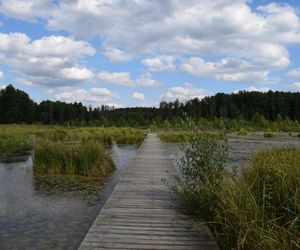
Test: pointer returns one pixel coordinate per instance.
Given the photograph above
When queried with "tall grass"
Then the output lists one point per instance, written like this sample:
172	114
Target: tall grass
261	209
173	137
258	209
17	138
86	159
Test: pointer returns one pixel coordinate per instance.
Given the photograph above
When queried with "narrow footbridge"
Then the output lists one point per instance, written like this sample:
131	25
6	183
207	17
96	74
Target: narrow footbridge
141	213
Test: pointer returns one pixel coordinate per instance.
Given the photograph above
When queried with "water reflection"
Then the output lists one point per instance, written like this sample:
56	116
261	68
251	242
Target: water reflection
51	213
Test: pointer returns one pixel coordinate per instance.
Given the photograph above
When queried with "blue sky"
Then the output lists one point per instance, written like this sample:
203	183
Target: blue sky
140	52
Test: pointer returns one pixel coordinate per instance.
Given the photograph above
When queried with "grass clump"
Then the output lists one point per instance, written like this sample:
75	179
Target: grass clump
174	137
243	132
87	159
257	209
19	138
269	135
260	209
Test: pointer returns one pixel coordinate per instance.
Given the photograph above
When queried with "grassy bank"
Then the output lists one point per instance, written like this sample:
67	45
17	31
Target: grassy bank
258	209
18	138
87	159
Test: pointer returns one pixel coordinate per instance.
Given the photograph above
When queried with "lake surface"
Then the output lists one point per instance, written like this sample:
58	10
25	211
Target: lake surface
52	213
242	148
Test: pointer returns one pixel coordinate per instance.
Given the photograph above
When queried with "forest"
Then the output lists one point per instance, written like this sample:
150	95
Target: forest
17	107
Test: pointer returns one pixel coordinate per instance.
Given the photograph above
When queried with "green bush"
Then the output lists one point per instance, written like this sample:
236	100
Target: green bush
200	171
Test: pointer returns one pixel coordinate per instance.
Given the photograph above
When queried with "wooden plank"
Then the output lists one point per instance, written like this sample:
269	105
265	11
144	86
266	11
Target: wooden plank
141	212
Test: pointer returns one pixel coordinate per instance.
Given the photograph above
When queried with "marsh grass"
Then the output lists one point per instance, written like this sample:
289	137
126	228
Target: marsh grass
87	159
257	209
18	138
261	208
174	137
269	135
243	132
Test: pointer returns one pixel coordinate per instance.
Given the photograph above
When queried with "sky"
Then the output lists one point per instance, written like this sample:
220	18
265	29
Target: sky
141	52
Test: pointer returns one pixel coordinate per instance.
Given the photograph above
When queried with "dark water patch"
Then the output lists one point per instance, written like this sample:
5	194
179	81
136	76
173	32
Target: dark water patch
38	212
242	148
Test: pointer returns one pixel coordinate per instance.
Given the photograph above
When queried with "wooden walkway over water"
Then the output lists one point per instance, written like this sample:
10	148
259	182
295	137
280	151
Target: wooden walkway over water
141	214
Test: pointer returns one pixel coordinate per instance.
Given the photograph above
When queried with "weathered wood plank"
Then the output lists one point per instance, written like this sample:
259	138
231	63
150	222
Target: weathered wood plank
141	212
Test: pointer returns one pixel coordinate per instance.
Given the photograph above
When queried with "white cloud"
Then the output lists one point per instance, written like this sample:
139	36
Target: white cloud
252	88
124	79
25	82
51	61
139	96
160	63
94	95
1	74
115	54
2	86
184	93
296	86
26	10
205	27
252	42
228	69
294	73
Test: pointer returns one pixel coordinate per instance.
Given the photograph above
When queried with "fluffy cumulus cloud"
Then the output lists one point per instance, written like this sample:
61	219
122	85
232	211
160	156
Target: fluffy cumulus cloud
51	61
228	69
160	63
124	79
189	27
27	10
94	95
229	40
294	73
184	93
139	96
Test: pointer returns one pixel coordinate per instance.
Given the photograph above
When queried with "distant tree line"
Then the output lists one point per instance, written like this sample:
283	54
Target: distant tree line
17	107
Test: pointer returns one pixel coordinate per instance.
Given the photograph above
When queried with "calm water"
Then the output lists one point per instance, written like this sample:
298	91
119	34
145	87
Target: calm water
48	213
241	149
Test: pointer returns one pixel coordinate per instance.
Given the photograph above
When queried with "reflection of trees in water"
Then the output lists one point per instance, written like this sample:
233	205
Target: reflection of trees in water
65	186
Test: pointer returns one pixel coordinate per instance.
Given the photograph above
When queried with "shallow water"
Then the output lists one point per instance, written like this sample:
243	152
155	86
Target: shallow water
242	148
51	213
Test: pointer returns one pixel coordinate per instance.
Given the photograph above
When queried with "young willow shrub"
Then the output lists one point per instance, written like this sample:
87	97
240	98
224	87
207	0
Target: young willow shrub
200	169
86	159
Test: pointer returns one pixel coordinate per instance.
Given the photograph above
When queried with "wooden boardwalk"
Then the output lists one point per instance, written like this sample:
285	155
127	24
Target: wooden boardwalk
141	214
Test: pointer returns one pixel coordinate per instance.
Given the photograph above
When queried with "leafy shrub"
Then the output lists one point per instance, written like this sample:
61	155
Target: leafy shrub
200	171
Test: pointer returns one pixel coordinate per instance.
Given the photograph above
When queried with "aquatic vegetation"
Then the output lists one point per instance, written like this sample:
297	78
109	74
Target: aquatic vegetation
86	159
260	209
257	209
15	140
173	137
269	135
243	132
18	138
